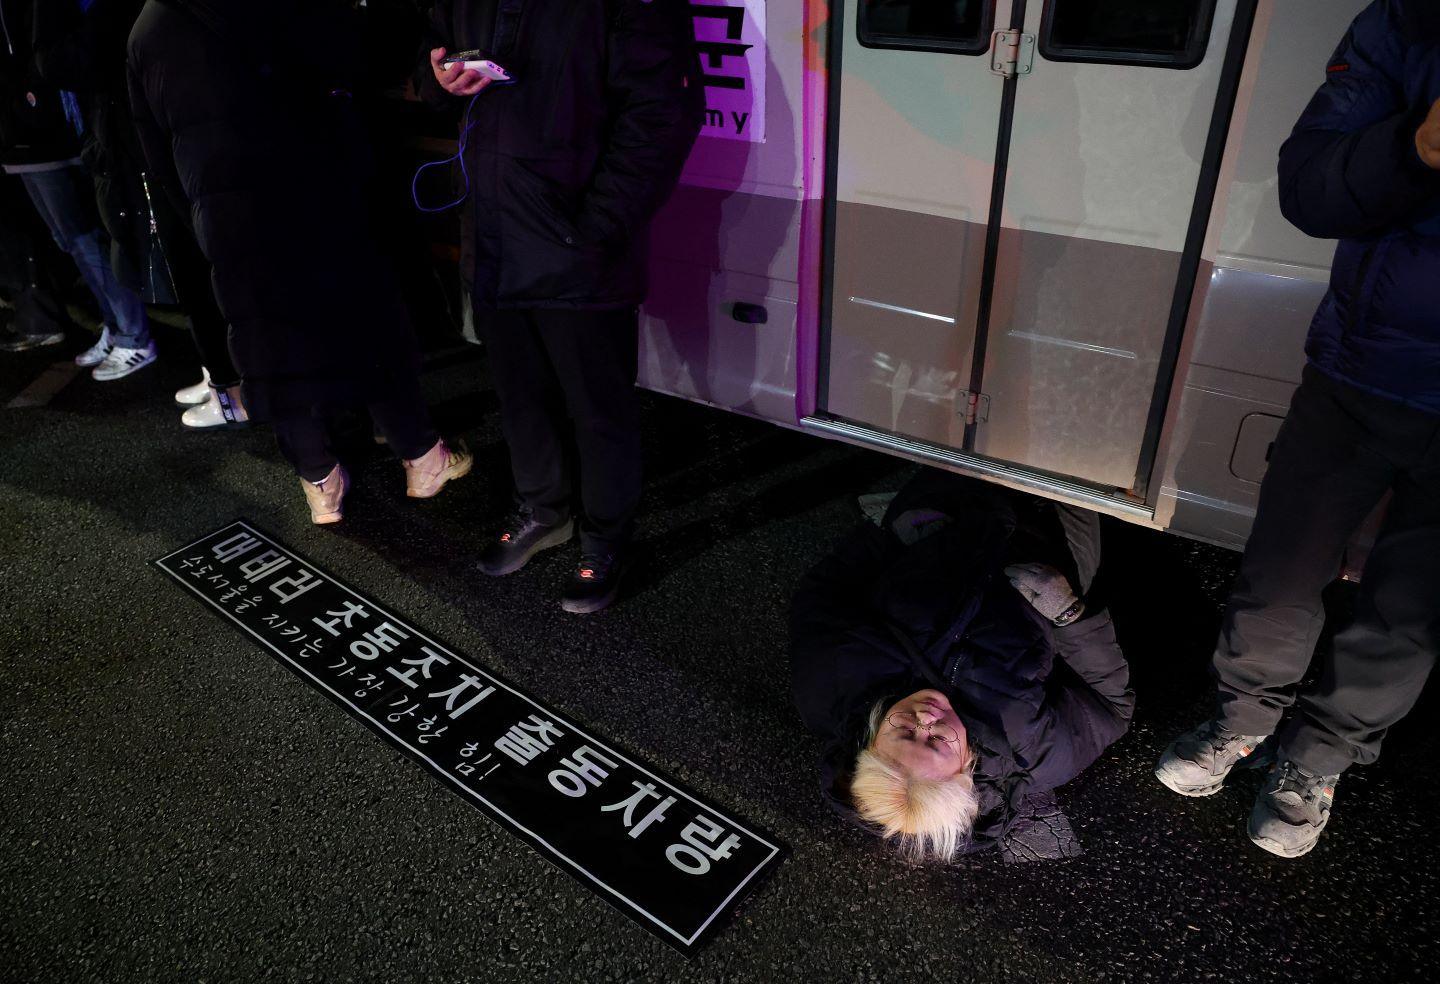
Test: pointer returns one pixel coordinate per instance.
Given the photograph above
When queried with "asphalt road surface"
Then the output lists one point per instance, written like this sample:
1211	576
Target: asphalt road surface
176	806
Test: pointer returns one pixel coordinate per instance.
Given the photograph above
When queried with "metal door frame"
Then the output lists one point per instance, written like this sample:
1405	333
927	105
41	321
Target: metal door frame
1136	503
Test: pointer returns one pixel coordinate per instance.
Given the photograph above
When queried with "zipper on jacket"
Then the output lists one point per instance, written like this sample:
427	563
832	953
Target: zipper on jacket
5	26
1353	324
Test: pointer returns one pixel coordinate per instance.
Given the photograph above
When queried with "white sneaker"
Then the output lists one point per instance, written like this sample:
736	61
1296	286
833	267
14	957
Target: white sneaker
123	361
194	396
96	353
212	413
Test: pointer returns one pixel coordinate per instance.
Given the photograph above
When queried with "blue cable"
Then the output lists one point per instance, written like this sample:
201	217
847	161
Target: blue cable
458	156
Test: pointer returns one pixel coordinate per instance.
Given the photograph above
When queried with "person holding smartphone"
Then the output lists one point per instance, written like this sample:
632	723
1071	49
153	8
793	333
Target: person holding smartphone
566	167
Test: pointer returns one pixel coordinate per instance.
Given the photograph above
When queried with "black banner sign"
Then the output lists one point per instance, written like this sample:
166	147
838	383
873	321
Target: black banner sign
669	859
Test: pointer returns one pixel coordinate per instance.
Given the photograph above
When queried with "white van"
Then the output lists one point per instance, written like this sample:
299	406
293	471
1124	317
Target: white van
1036	241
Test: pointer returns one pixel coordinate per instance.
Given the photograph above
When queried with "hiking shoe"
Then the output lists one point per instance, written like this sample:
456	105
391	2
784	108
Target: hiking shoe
425	476
327	496
96	353
194	396
224	409
1197	762
14	340
594	585
122	361
521	538
1291	810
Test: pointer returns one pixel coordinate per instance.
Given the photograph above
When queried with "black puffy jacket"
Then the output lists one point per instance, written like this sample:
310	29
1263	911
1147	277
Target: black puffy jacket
880	620
568	166
245	107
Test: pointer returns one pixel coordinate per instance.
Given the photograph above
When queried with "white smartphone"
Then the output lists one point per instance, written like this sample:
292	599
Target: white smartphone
474	62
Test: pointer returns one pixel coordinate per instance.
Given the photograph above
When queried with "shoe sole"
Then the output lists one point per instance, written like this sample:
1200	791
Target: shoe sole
30	345
558	538
592	606
224	425
1193	792
122	375
447	476
326	519
1278	849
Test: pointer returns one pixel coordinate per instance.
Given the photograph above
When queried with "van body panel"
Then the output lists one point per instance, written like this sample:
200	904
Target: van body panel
1103	171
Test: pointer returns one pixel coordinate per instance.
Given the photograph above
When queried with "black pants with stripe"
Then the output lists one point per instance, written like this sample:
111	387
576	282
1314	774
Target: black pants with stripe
1338	454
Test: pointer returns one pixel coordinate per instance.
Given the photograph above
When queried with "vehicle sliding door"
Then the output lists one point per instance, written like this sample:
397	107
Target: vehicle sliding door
913	166
1107	153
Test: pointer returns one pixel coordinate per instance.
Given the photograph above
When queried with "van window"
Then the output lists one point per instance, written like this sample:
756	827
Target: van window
960	27
1164	33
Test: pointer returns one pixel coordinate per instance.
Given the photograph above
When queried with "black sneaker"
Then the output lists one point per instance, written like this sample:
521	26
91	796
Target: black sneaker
520	539
14	340
594	585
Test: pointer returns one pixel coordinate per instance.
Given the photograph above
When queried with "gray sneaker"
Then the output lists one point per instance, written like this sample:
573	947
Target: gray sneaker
1291	810
1197	762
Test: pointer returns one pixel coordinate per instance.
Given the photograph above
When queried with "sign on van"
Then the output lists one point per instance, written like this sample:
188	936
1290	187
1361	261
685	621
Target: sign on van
731	39
657	851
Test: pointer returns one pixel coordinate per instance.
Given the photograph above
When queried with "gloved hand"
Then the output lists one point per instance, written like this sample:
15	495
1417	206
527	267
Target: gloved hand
1048	591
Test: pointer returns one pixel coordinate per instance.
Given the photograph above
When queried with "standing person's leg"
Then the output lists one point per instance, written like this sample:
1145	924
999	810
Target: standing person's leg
1372	676
532	417
1326	474
216	401
596	356
404	421
65	198
305	443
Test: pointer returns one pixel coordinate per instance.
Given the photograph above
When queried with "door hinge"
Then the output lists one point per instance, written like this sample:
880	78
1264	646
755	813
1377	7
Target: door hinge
977	407
1013	54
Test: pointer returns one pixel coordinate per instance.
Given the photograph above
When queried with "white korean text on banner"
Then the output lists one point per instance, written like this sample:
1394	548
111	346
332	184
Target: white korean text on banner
670	860
731	37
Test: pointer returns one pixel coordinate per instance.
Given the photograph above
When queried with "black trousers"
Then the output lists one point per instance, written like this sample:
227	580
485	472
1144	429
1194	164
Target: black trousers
1338	453
403	420
563	376
190	272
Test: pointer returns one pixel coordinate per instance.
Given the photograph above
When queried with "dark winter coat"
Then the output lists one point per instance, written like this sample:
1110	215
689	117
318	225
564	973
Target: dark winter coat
880	620
84	53
568	166
244	109
33	127
1351	172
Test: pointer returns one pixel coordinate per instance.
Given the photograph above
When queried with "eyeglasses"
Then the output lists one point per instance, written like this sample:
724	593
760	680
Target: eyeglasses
908	721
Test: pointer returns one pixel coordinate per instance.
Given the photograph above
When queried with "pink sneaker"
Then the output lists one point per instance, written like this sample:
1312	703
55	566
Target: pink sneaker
427	475
327	497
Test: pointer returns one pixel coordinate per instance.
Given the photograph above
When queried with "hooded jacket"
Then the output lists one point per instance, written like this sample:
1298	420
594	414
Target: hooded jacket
878	619
83	52
33	126
1351	172
567	166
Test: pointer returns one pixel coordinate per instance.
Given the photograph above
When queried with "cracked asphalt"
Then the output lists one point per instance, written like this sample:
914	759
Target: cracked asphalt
176	806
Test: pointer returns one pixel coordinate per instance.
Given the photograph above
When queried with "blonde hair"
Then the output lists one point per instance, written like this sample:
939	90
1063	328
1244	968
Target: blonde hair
926	819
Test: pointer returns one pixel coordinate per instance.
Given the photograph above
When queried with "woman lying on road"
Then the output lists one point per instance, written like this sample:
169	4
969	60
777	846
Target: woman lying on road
956	677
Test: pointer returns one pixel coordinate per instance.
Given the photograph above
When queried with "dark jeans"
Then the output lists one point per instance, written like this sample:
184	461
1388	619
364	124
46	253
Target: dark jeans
190	272
563	375
1339	451
65	199
404	421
